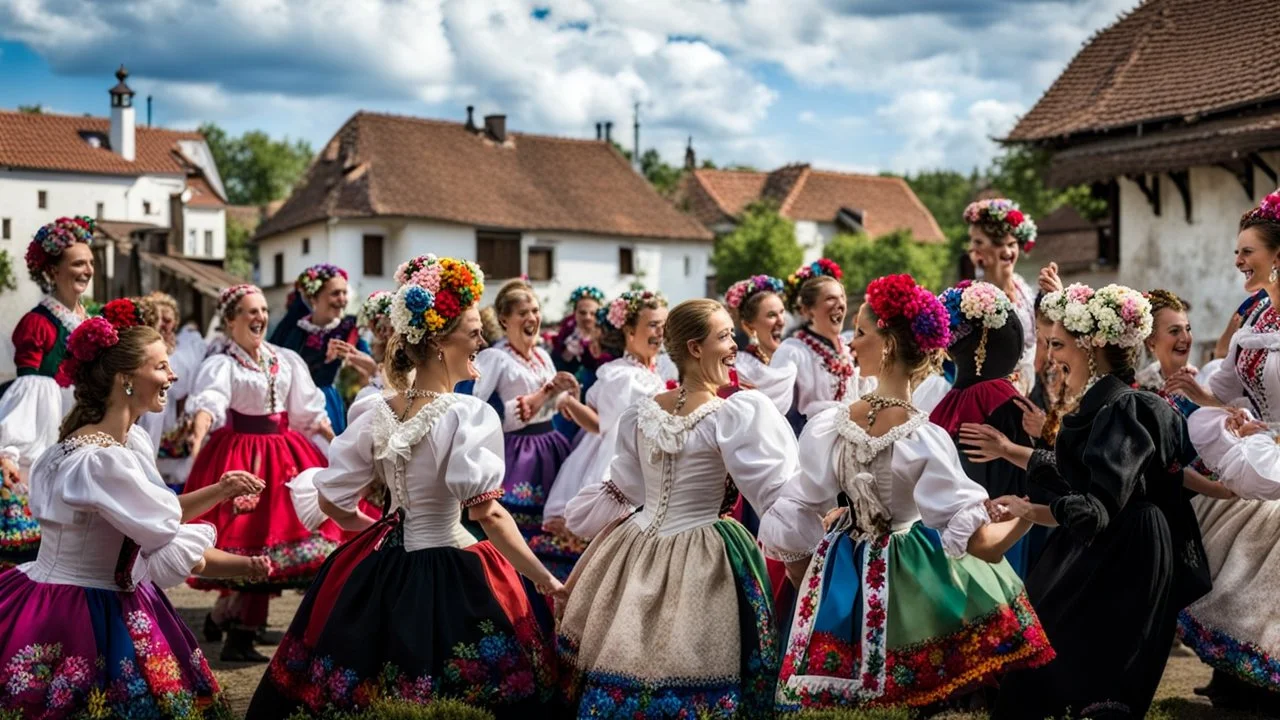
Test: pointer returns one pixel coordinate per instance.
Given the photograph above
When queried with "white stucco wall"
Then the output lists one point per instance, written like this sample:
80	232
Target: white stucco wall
1193	259
201	221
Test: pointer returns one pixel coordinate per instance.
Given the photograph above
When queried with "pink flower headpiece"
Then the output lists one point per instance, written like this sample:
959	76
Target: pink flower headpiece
232	295
743	289
1268	209
85	344
49	243
896	297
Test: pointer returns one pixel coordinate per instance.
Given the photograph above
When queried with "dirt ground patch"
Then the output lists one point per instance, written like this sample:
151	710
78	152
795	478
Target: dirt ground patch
1184	673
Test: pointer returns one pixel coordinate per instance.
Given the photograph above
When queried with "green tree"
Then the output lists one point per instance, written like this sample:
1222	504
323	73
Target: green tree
36	109
256	169
7	279
864	259
240	251
763	242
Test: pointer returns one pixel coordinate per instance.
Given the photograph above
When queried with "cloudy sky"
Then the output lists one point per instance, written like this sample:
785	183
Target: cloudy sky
845	84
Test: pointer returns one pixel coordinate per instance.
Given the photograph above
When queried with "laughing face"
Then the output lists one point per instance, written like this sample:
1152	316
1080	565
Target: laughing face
523	322
584	314
1171	339
997	258
151	382
645	339
1254	259
769	321
1072	360
73	272
461	346
330	302
867	344
826	315
715	354
168	325
248	327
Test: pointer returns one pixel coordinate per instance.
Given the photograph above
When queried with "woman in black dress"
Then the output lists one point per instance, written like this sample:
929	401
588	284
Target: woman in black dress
1124	560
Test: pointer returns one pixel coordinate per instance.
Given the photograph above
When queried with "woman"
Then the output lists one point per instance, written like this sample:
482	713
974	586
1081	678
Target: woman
87	631
907	600
986	344
640	317
1233	627
327	338
825	369
60	261
261	403
668	613
521	375
459	623
375	319
757	308
1125	556
998	234
169	430
576	348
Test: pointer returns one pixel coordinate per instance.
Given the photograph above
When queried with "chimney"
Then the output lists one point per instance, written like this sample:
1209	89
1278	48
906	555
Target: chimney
599	131
148	111
608	132
122	121
495	126
690	158
471	118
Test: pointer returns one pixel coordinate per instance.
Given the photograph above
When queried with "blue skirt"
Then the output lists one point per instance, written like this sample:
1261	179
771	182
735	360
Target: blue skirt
336	407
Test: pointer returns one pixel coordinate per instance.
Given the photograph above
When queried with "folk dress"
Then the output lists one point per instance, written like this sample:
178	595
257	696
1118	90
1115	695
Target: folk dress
414	608
892	611
669	612
777	382
170	429
85	630
825	374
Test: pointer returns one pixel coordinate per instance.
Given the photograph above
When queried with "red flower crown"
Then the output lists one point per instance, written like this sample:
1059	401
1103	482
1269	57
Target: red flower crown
898	296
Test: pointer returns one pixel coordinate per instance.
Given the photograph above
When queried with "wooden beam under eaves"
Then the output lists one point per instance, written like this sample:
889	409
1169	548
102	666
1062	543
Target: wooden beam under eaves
1243	171
1182	180
1149	189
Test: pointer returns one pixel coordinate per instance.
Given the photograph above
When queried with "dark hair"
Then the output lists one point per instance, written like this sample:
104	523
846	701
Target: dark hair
1268	229
614	339
897	332
690	320
94	380
995	230
1165	300
1123	361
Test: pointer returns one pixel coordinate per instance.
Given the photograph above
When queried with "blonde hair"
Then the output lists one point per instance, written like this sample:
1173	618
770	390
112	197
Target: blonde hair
690	320
94	380
511	294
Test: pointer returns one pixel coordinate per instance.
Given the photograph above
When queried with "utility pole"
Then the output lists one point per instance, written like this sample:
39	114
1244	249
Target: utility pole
635	154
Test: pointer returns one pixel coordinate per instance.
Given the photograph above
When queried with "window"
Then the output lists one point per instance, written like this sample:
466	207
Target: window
6	231
498	254
146	207
688	266
541	264
99	215
278	261
306	246
191	243
42	199
626	261
373	256
208	243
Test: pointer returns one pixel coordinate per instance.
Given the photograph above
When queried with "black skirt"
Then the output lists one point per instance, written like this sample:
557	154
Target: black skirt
382	622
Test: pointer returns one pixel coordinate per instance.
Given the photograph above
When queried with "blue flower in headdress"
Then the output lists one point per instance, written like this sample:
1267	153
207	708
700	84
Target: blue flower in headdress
418	299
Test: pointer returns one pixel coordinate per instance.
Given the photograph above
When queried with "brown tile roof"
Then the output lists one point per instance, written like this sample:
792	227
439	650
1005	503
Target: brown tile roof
1166	59
122	229
802	193
202	194
208	279
57	142
401	166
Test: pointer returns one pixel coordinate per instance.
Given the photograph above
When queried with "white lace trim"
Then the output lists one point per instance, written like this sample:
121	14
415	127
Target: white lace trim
394	441
866	447
306	324
247	371
68	317
668	432
1258	341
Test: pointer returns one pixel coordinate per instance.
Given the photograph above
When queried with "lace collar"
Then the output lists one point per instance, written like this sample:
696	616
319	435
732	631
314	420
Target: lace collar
669	432
69	318
266	362
651	367
394	440
314	329
866	447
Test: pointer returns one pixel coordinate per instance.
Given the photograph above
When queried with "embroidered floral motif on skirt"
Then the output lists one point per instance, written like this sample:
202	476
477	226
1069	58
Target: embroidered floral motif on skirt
19	531
1220	651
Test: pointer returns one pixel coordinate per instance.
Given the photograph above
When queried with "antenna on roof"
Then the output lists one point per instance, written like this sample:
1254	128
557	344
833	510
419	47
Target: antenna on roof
148	111
635	157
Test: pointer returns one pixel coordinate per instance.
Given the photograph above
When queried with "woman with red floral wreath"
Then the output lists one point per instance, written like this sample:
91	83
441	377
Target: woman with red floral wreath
999	232
825	367
60	261
262	405
907	600
414	608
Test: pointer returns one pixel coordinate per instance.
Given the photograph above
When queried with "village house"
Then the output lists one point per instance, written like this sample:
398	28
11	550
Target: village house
563	212
822	204
156	195
1173	114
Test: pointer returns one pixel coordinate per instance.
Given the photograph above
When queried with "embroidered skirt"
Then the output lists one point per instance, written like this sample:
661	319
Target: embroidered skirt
74	652
670	626
893	621
19	531
382	622
534	456
269	526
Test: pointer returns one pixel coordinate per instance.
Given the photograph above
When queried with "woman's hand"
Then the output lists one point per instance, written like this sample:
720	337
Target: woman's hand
258	567
323	429
235	483
983	443
1008	507
1049	280
565	382
9	473
1033	418
833	517
1184	383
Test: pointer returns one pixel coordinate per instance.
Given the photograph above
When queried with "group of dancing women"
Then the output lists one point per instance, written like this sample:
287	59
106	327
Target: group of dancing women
984	498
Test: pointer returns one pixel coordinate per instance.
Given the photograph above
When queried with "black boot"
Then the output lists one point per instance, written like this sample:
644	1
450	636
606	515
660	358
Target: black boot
212	630
268	637
238	647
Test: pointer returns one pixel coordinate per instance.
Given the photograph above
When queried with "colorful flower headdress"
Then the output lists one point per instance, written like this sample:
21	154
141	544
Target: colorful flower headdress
795	280
1007	216
314	278
376	310
228	298
627	306
582	292
972	305
1268	209
125	313
434	291
51	240
84	345
1114	315
896	297
743	289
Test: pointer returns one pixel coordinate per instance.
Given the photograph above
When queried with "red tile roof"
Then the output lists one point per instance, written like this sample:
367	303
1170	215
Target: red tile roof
1167	59
386	165
802	193
57	142
202	194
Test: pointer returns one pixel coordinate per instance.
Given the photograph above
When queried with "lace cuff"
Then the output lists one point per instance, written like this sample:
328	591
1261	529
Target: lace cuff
1040	460
482	498
612	491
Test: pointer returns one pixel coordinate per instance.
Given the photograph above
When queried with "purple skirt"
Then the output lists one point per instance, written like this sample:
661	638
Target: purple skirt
69	651
534	456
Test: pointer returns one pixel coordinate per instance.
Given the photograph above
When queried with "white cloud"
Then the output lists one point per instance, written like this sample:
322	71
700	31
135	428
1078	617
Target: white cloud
808	117
935	136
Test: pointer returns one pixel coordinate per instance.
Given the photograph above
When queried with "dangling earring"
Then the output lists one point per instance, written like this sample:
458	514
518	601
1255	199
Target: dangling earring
886	358
128	387
1275	273
439	354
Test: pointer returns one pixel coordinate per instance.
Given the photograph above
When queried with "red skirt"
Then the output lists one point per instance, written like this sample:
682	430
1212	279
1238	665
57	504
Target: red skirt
266	446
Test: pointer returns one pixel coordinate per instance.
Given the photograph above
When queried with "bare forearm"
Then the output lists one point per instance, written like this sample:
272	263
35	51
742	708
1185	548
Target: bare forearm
351	520
219	564
992	541
502	532
1019	455
198	502
583	415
